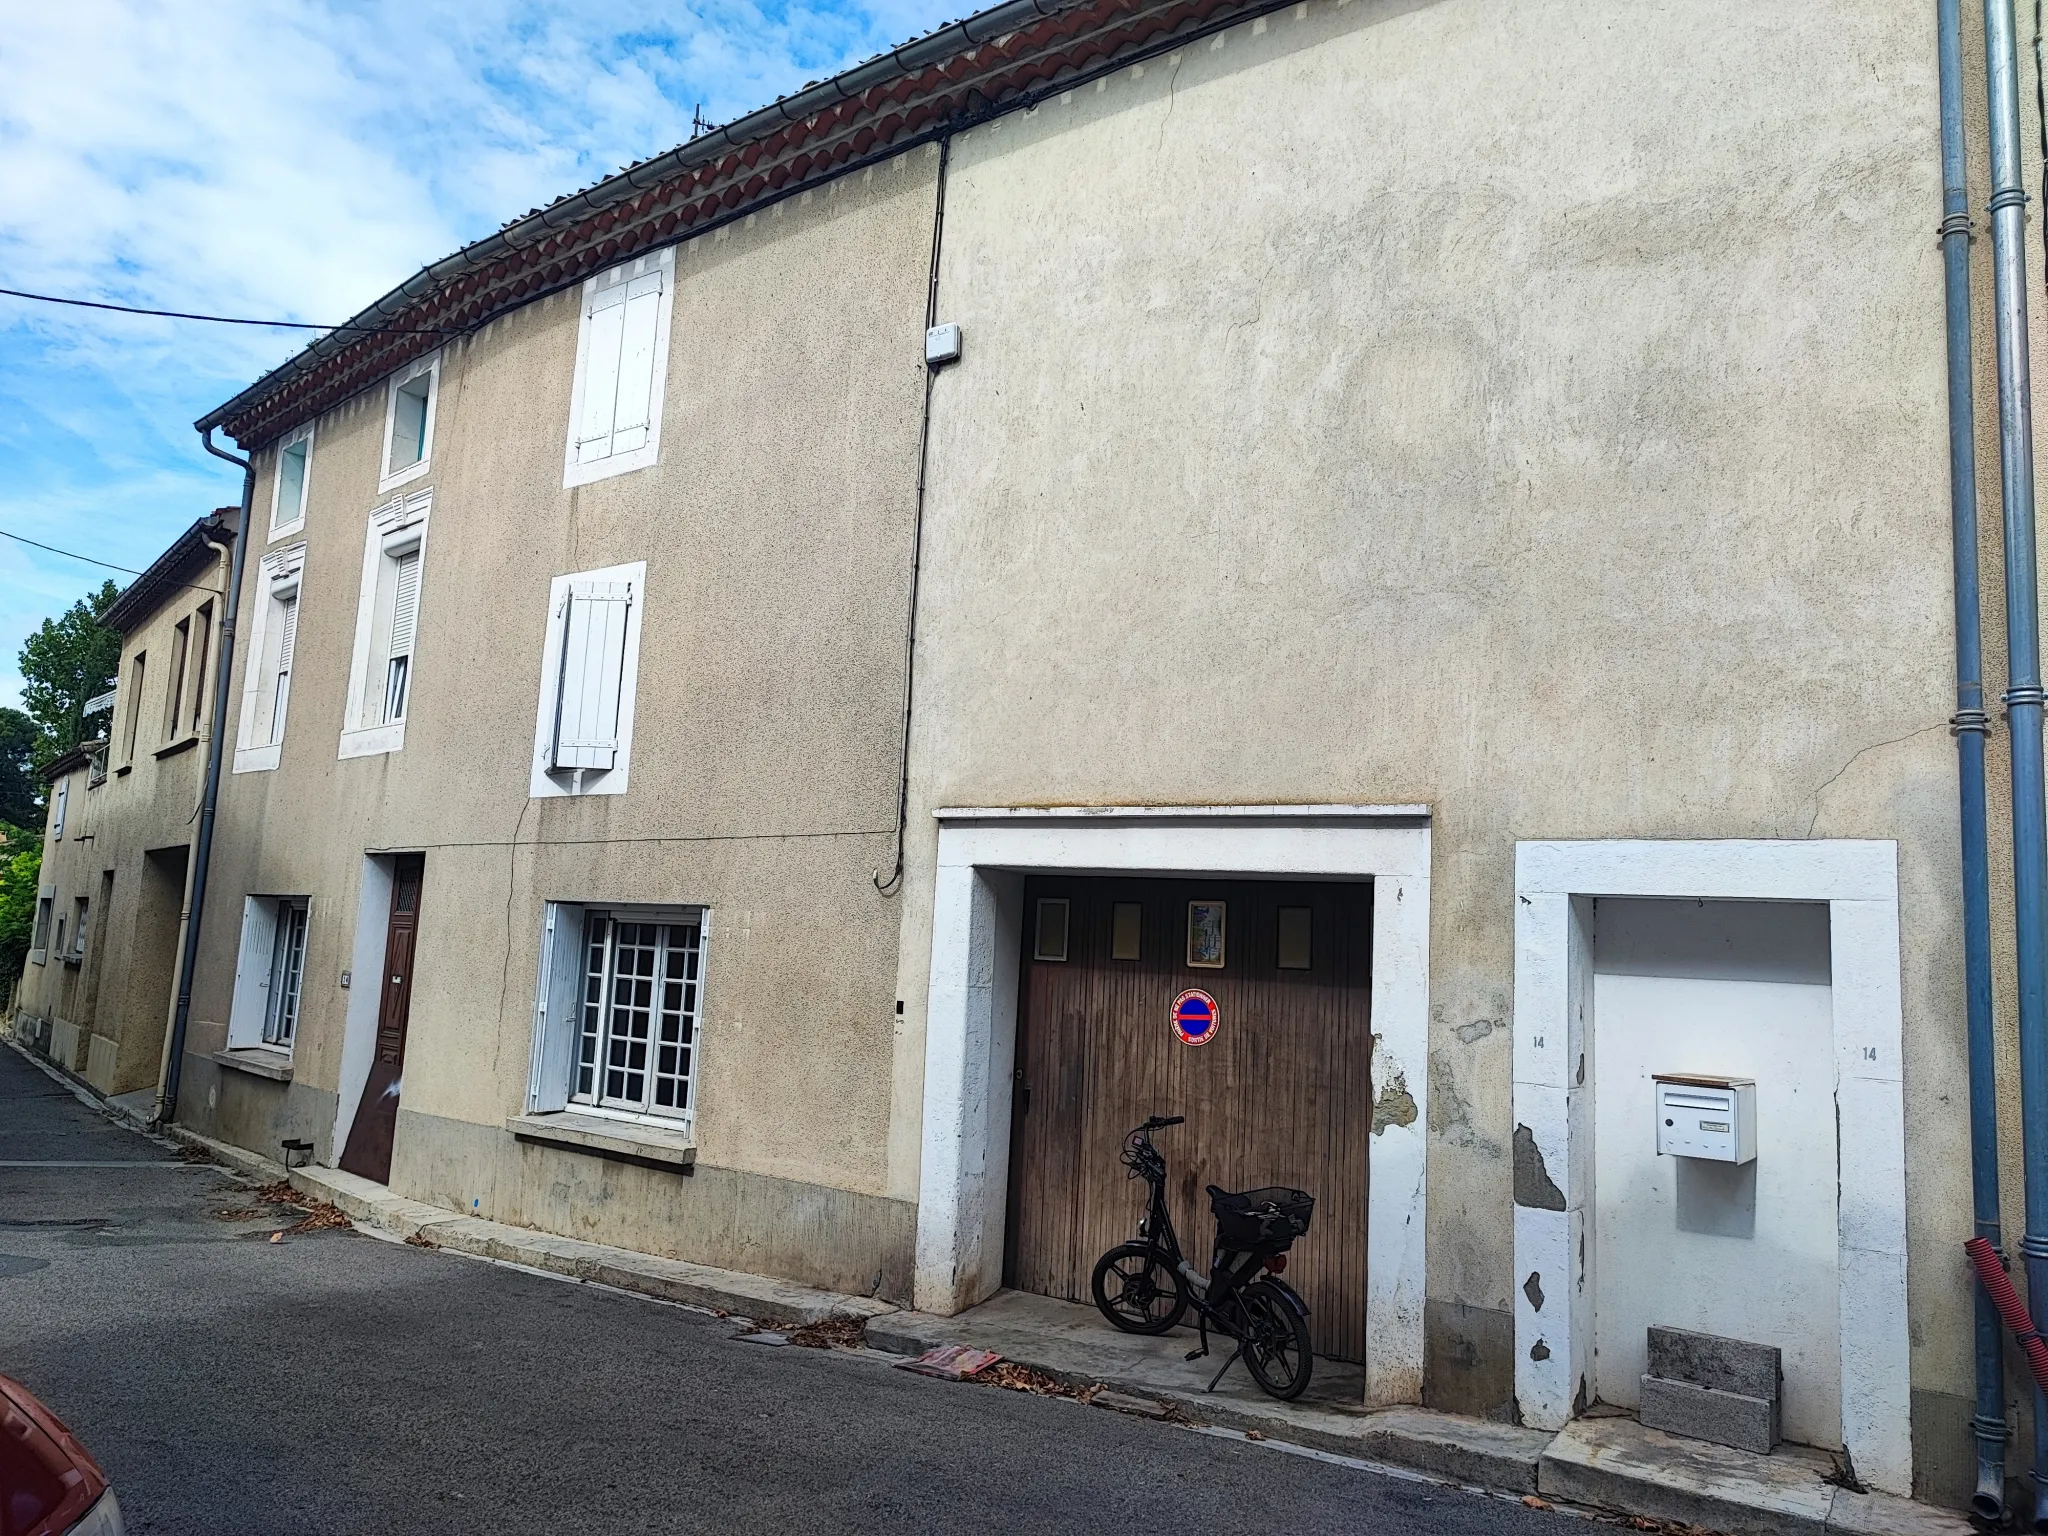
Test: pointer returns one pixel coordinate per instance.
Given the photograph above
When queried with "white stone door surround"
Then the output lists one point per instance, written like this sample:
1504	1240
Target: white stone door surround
1554	1035
971	1020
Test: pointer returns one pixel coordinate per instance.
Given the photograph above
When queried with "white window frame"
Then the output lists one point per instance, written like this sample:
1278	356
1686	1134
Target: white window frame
284	520
397	528
269	995
599	292
280	574
81	915
46	914
545	780
428	367
565	1013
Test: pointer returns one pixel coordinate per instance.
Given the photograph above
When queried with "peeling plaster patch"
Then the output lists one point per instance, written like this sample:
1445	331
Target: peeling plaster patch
1450	1114
1539	1351
1533	1289
1534	1187
1395	1105
1478	1030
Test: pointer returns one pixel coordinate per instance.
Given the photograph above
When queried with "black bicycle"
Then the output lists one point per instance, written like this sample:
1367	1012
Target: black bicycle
1147	1286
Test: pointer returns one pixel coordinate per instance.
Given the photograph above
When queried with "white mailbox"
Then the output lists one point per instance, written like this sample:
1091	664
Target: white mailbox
1707	1117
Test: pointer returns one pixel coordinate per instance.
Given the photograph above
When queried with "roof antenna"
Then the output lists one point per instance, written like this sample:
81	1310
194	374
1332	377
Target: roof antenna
698	127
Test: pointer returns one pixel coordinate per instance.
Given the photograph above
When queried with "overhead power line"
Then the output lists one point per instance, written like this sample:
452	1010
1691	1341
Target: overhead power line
180	314
71	554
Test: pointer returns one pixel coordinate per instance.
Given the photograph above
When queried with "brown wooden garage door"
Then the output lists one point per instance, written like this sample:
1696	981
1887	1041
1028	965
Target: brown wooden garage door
1282	1093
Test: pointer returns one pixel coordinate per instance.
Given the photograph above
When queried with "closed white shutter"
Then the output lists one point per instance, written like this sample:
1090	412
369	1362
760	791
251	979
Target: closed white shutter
603	344
593	620
405	603
618	368
288	635
636	364
63	800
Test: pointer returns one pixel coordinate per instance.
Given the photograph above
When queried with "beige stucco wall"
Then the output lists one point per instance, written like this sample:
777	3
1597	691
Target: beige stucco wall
1532	411
776	533
108	1011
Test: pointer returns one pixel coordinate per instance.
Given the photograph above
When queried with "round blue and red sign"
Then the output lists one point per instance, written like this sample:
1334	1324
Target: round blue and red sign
1195	1017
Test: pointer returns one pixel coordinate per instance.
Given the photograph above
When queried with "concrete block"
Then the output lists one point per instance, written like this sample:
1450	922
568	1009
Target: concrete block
1726	1418
1617	1464
1880	1514
1724	1365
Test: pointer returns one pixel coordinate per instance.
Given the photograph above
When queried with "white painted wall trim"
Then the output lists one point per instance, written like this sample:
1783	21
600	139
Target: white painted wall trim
1553	974
971	1023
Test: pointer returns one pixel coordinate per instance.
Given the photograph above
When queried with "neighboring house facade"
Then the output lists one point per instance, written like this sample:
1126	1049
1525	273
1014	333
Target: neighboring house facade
96	993
1434	550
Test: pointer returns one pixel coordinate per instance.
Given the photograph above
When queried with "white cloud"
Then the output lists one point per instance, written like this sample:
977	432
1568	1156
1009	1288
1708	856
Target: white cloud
255	157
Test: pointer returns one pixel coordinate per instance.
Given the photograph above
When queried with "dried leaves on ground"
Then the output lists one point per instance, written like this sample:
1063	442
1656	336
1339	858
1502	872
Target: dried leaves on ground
1022	1378
832	1333
316	1215
418	1240
191	1154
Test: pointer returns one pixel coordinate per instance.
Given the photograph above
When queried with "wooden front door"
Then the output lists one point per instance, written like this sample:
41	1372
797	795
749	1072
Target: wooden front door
370	1134
1280	1093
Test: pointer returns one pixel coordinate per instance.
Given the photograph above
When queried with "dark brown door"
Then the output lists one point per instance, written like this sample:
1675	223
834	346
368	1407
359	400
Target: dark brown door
370	1134
1281	1092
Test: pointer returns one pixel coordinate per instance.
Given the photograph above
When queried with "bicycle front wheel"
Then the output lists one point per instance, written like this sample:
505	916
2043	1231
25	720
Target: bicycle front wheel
1137	1290
1276	1347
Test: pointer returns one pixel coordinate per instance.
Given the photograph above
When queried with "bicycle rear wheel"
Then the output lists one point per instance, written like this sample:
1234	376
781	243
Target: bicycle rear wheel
1136	1289
1276	1347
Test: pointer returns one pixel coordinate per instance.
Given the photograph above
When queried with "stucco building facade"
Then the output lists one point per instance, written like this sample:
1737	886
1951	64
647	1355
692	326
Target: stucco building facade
1490	461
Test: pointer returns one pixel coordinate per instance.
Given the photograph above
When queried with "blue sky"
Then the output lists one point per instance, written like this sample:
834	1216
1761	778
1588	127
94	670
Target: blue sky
293	161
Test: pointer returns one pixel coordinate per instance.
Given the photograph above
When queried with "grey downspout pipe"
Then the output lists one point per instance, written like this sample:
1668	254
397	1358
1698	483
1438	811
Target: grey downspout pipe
1970	726
2023	695
202	853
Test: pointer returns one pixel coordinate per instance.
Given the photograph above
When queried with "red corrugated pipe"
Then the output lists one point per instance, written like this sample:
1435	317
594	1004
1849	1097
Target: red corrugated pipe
1998	1286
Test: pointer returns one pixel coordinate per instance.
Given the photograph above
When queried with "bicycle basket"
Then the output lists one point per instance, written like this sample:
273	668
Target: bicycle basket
1266	1219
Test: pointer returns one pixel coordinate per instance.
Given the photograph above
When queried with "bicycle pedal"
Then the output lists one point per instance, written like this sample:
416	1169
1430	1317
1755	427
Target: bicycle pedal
1196	1354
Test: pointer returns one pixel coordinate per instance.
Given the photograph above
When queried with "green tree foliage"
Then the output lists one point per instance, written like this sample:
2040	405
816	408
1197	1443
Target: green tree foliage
21	792
21	867
69	660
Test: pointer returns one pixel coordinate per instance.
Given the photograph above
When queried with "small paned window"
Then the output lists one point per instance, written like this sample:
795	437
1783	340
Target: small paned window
287	973
637	1035
1052	930
1294	938
409	422
288	493
1126	927
1206	934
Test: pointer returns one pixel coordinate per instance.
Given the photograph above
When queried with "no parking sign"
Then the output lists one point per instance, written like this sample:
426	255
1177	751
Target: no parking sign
1195	1017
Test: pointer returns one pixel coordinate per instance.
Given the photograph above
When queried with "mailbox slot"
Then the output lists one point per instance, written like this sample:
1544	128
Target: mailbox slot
1713	1118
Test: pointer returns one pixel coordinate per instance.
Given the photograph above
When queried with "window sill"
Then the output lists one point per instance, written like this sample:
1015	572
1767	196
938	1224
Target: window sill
255	759
74	961
258	1061
182	744
417	470
124	770
372	740
286	530
606	1137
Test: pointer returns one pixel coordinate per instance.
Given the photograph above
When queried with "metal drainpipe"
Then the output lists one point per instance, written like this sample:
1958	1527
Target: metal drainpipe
202	853
1970	726
2023	695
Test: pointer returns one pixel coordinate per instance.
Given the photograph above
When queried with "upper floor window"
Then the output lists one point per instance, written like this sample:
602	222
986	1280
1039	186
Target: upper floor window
174	693
387	627
583	737
621	369
138	668
202	641
409	421
273	652
288	485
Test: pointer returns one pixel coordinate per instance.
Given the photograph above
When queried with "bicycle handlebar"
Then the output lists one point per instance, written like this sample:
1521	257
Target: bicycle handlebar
1161	1122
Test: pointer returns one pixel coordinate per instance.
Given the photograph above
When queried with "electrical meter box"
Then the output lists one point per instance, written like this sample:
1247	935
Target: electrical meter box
1706	1117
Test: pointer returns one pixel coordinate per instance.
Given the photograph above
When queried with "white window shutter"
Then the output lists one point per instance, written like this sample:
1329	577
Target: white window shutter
636	363
288	635
603	343
557	1000
405	603
593	668
63	800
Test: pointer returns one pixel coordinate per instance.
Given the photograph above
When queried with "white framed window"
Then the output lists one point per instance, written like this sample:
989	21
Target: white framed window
81	909
409	408
289	483
39	941
590	661
381	670
619	1011
270	972
621	369
273	652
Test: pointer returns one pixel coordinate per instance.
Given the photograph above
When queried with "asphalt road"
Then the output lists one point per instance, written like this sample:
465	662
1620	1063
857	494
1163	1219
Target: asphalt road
332	1382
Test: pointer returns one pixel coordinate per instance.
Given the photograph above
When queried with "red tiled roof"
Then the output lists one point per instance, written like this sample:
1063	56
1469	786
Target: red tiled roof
962	74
